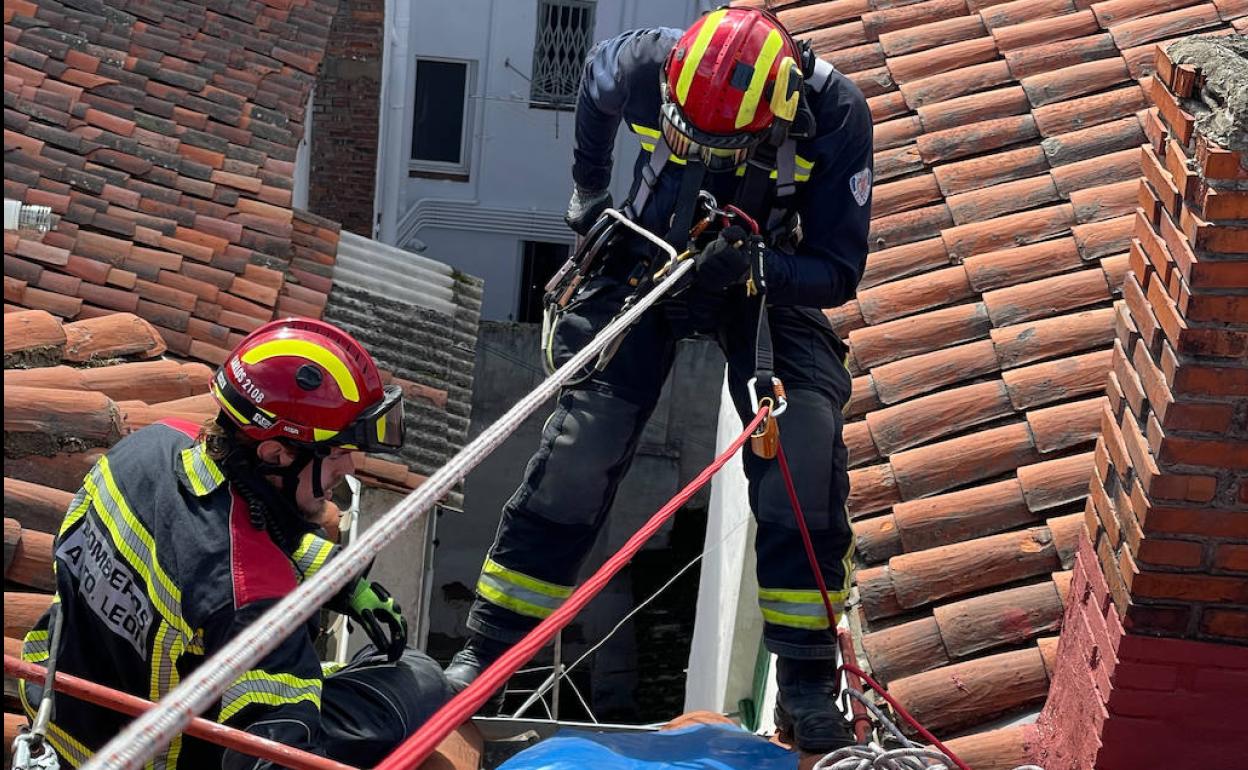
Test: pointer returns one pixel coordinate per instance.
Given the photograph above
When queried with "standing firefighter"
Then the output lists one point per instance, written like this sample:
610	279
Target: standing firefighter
182	535
735	108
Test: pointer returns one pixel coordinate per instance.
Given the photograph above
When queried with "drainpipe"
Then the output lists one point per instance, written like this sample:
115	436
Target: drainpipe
391	163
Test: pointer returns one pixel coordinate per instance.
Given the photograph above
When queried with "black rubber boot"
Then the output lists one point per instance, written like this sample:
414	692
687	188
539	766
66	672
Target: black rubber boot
806	710
468	663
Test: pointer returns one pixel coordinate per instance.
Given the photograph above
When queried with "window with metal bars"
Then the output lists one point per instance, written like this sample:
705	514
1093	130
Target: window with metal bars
565	30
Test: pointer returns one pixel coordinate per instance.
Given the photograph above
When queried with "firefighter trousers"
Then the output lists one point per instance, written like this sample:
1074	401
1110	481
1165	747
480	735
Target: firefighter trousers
550	523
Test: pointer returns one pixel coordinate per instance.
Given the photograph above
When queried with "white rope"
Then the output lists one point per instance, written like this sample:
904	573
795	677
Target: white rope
550	681
872	756
145	736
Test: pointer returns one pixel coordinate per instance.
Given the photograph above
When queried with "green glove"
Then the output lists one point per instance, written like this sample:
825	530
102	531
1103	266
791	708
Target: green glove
371	605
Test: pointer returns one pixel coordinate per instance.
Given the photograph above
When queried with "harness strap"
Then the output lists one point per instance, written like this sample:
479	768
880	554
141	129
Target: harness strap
643	186
686	204
764	357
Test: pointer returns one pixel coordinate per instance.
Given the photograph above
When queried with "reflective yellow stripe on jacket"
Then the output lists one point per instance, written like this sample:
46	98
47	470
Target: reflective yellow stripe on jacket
311	555
518	592
135	544
167	648
201	470
257	686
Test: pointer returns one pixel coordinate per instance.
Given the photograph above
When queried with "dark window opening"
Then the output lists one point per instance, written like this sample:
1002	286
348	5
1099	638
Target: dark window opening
539	262
438	119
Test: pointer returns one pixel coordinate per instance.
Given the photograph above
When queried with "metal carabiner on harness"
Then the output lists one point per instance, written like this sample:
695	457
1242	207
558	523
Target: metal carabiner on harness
777	389
765	440
708	202
25	757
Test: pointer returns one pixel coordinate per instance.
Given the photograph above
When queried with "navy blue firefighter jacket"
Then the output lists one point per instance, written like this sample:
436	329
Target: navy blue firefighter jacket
621	83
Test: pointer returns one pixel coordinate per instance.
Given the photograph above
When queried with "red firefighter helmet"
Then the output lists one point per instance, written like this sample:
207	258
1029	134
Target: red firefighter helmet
727	80
308	381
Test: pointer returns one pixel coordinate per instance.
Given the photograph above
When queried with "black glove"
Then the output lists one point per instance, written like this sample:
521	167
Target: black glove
725	261
585	208
371	605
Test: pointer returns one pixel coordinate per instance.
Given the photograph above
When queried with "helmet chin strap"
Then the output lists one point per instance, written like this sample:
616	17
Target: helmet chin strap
304	456
274	508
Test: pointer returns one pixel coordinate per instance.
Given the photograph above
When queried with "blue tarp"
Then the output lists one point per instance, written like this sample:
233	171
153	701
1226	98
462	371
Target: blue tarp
697	747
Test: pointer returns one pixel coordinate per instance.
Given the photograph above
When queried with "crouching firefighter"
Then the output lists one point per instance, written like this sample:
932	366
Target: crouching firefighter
757	157
183	534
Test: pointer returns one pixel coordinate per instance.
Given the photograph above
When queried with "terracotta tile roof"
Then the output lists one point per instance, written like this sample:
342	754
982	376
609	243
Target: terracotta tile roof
164	135
55	415
1008	153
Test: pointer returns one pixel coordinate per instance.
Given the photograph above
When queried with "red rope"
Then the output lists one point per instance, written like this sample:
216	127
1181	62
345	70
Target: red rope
806	541
827	605
124	702
424	741
901	711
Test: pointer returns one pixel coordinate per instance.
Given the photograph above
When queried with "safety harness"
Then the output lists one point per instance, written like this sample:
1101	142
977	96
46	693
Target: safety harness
775	155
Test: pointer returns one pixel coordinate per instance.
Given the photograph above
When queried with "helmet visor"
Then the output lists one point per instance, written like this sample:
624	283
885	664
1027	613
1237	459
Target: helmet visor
718	153
380	428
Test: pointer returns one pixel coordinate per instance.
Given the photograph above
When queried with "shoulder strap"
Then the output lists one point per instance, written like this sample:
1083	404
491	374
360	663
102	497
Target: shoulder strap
756	182
644	184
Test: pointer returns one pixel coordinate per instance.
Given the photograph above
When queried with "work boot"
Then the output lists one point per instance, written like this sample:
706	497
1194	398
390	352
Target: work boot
468	663
806	710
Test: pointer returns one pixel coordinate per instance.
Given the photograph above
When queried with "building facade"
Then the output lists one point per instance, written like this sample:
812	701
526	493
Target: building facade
476	129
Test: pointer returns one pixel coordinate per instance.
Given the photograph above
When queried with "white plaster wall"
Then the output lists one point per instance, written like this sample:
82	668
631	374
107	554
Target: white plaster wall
520	157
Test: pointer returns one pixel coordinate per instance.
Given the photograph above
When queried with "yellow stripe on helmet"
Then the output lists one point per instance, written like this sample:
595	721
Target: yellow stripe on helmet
754	93
696	51
221	399
783	103
313	352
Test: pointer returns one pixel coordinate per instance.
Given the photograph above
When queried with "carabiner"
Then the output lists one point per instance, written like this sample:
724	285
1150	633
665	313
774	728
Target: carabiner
777	388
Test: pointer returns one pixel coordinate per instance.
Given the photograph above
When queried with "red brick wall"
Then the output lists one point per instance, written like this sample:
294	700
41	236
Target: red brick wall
1153	657
344	118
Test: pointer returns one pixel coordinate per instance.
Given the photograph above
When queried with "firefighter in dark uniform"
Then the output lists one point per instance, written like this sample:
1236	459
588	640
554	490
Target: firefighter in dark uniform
183	534
736	101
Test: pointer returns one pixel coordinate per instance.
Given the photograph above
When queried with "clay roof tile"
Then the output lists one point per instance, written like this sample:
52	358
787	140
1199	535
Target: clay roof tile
949	85
1147	29
898	380
806	18
1002	683
985	171
898	17
1019	11
1046	57
1032	341
880	344
1048	30
1005	198
947	57
998	103
902	261
923	292
932	34
1018	229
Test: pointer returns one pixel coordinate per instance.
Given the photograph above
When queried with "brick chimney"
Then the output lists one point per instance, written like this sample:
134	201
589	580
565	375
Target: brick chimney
1152	664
